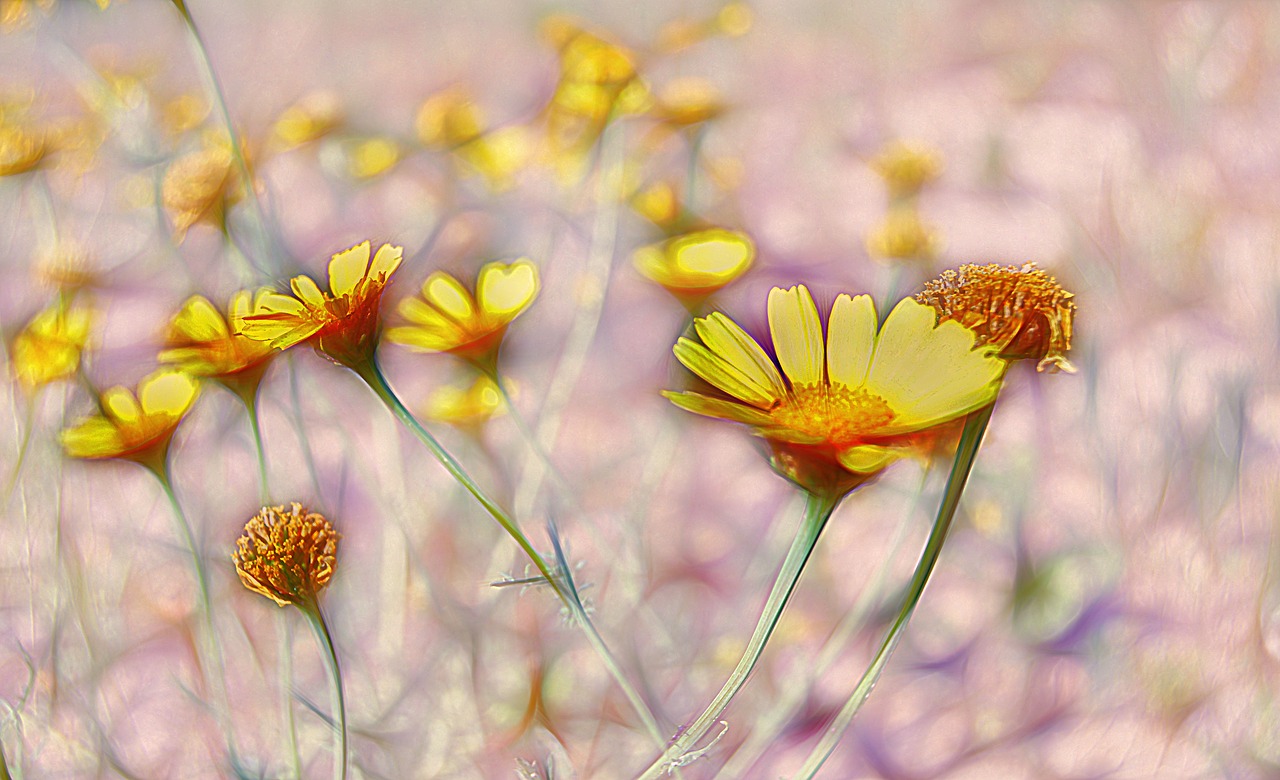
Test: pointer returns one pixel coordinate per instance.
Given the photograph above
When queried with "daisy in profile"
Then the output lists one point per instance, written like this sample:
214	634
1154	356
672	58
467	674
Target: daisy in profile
205	342
450	318
838	407
135	427
343	324
48	349
695	265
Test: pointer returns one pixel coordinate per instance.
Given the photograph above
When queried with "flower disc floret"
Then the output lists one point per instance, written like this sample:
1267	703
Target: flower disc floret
287	554
837	410
342	324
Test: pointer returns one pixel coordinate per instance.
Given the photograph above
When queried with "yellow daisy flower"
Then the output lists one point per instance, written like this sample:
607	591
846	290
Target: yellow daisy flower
467	408
695	265
343	324
313	116
48	349
203	342
844	407
448	318
137	428
688	101
903	236
906	167
21	148
287	555
1021	311
199	187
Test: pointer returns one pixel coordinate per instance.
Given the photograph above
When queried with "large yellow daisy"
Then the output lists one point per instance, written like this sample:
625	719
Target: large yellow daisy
837	410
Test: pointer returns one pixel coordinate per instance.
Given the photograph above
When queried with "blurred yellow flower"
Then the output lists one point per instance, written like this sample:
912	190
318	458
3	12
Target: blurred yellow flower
659	203
903	236
687	101
199	186
287	555
695	265
843	408
137	428
313	116
1021	311
448	119
448	318
369	158
203	342
65	265
48	349
343	324
451	121
468	408
905	167
733	20
21	148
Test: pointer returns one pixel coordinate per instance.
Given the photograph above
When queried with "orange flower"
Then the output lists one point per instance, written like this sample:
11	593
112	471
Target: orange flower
137	428
202	342
1023	312
343	324
287	555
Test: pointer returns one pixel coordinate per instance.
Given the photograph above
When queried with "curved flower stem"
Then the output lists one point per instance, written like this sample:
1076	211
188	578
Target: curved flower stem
818	510
216	675
560	581
265	237
970	440
264	489
337	701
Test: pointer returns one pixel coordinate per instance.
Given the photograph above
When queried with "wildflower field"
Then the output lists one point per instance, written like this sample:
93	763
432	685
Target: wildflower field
607	390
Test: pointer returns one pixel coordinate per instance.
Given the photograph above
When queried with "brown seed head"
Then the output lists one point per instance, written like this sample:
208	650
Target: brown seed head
1023	312
287	555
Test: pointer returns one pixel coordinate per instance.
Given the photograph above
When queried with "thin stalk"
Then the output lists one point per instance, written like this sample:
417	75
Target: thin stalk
214	86
561	582
264	489
818	509
970	440
216	675
286	685
24	446
337	701
531	438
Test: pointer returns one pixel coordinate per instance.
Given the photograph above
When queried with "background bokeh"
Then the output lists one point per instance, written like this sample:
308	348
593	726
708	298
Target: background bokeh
1108	605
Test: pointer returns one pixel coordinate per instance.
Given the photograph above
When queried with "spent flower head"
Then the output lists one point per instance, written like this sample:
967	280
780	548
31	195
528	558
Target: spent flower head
200	187
449	318
204	342
342	324
135	427
287	554
1020	311
845	406
695	265
49	347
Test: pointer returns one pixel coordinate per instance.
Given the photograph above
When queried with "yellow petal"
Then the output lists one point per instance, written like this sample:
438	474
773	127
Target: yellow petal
851	338
449	296
275	303
797	334
92	438
723	337
715	407
240	305
308	292
420	312
721	373
421	339
199	320
868	459
930	374
121	406
503	291
386	261
167	392
716	253
346	269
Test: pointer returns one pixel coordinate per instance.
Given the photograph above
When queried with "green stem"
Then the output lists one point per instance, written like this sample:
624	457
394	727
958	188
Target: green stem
818	510
970	440
531	438
24	447
264	489
315	616
214	86
561	582
286	684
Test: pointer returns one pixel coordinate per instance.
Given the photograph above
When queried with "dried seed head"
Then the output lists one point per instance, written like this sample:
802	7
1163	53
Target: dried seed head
1022	311
287	555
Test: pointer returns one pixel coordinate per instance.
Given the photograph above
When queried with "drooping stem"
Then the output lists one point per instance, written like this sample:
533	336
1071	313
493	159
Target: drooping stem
818	510
974	429
560	579
337	700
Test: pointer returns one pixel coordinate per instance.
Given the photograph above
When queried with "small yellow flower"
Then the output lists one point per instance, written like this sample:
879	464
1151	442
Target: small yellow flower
287	555
448	119
342	324
449	318
1021	311
695	265
48	349
198	187
66	265
369	158
844	407
137	428
203	342
659	203
687	101
903	236
21	149
906	167
313	116
498	155
732	21
468	408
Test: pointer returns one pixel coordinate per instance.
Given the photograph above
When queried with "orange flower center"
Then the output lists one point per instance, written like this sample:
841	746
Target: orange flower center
842	415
